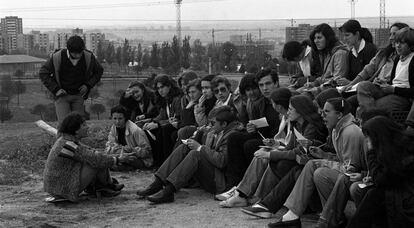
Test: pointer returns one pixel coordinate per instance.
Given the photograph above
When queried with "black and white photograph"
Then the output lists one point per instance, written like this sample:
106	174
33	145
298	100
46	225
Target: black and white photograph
207	113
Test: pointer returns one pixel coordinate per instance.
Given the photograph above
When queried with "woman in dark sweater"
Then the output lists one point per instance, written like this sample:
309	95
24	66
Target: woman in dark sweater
362	50
168	101
139	101
390	203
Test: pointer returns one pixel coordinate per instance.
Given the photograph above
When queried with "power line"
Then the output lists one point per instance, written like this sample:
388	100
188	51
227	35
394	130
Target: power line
101	6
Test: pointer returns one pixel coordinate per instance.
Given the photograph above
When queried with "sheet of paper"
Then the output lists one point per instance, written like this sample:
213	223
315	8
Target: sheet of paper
259	123
352	89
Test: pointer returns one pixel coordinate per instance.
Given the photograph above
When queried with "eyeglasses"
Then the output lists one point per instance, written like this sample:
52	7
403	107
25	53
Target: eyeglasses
221	89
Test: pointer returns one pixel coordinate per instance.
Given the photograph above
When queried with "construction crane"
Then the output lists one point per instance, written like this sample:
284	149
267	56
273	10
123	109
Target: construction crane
382	14
178	25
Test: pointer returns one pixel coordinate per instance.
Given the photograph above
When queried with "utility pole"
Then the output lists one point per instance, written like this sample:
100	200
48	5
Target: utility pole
212	36
178	25
382	14
353	9
260	34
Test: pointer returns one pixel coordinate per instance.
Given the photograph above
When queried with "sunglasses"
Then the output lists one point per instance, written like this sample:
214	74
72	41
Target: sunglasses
221	89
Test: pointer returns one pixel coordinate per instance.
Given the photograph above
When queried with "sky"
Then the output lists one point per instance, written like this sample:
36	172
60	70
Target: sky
89	13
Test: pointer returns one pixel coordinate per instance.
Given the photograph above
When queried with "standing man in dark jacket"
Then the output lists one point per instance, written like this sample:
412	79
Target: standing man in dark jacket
69	75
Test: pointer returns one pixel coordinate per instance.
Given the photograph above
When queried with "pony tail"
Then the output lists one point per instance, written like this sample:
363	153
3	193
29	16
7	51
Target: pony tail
366	35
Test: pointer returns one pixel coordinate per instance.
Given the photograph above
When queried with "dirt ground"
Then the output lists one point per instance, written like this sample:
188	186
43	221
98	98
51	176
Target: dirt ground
24	206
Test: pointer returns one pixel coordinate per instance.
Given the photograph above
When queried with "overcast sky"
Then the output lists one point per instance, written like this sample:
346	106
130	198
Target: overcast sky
44	13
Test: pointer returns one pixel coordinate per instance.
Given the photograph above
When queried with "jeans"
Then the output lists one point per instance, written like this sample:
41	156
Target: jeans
370	95
258	179
184	164
305	186
67	104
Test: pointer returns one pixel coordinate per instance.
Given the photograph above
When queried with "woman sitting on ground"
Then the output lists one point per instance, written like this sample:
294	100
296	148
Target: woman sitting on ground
306	129
139	102
322	174
362	50
390	156
168	101
333	58
71	166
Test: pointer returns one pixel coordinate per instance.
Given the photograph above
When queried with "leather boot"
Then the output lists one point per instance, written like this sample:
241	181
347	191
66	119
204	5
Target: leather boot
166	195
154	187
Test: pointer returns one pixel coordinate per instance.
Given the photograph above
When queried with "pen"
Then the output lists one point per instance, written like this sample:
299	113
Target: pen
261	135
321	145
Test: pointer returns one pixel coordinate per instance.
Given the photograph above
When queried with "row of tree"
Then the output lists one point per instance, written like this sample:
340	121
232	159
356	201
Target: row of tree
171	56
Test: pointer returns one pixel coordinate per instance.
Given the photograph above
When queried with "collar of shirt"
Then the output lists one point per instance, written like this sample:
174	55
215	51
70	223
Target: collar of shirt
220	103
307	51
74	61
361	47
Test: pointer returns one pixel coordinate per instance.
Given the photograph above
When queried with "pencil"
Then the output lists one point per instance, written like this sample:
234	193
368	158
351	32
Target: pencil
261	135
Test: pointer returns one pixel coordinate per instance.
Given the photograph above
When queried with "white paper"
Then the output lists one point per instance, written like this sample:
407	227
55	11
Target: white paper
352	89
259	123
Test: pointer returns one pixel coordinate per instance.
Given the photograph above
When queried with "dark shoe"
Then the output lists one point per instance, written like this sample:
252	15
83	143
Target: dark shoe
153	188
258	210
163	196
107	192
116	187
291	224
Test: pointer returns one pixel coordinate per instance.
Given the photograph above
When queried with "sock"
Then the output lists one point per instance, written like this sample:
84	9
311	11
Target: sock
289	216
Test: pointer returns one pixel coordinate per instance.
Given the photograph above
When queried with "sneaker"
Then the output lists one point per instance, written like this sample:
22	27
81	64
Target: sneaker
225	195
258	210
234	201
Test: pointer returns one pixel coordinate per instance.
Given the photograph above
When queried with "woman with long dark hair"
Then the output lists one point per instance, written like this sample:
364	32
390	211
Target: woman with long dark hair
359	41
390	202
333	55
322	174
139	102
307	128
168	101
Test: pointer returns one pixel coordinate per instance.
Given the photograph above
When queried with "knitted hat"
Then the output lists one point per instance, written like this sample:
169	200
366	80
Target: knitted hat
322	97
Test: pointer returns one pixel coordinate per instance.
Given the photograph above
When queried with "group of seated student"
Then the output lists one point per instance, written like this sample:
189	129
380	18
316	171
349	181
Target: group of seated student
309	147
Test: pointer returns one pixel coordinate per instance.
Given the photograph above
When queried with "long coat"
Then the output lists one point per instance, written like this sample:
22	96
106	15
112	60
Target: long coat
61	176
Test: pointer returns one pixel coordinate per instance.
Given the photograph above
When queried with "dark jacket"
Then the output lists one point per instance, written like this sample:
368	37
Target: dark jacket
174	105
263	108
61	176
48	77
309	131
398	186
217	154
149	110
404	92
